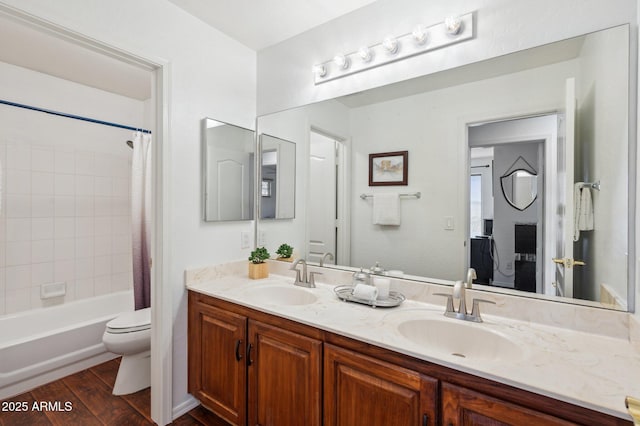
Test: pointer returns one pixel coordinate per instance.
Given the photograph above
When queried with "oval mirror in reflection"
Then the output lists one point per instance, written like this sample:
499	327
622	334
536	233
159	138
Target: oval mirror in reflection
520	188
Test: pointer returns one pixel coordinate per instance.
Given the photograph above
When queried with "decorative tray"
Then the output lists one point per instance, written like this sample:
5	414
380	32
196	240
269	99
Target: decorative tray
345	292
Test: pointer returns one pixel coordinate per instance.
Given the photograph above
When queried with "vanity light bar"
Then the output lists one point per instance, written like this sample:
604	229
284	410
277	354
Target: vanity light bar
420	40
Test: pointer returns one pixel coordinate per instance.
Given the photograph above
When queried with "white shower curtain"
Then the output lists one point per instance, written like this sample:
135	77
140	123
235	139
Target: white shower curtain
141	219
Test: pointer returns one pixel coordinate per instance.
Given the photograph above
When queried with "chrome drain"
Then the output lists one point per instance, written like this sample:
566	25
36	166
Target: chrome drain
460	355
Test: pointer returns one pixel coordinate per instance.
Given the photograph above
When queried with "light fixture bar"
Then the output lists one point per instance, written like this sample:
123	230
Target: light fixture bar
435	37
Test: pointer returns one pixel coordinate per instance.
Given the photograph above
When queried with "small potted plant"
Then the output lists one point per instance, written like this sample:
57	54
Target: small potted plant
284	252
257	267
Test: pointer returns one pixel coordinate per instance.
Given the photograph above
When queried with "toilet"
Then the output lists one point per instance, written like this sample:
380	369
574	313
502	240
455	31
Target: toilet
129	335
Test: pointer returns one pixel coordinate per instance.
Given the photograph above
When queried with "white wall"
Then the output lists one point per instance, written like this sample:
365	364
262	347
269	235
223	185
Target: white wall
503	26
431	126
211	76
601	142
65	203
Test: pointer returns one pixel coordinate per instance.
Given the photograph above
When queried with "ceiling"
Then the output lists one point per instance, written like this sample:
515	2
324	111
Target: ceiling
259	24
51	54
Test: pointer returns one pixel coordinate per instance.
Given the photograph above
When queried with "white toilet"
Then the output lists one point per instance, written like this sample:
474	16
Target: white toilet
129	334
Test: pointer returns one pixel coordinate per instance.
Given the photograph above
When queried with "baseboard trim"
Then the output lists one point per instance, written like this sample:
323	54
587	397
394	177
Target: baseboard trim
184	407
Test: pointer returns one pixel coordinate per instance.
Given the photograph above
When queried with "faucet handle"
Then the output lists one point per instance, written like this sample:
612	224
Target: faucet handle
475	310
312	278
294	268
449	301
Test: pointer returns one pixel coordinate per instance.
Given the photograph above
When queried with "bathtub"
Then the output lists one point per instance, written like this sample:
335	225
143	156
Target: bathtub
42	345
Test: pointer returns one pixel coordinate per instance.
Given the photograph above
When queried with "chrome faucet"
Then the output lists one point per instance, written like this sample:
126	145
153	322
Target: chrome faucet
304	280
324	256
459	292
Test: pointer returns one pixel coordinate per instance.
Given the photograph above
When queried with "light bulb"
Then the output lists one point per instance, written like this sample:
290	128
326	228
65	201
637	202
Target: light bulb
453	25
320	70
341	61
365	54
419	34
390	44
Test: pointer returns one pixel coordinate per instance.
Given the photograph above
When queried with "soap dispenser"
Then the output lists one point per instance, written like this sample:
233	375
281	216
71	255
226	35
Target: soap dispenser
360	277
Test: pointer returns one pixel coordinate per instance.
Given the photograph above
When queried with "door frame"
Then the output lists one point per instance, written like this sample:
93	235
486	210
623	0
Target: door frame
161	295
343	178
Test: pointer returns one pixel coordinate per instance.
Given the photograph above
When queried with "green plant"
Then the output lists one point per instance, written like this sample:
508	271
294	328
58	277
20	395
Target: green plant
259	255
285	250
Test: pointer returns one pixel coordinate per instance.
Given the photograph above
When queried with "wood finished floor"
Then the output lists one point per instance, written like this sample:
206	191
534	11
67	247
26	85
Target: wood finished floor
89	392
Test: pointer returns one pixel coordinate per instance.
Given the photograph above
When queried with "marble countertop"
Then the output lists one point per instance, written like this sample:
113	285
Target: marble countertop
584	369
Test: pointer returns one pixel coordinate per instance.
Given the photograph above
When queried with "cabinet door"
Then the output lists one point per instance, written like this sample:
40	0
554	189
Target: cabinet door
285	377
360	390
217	366
463	407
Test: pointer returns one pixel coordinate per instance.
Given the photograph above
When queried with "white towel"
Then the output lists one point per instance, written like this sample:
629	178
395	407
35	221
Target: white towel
582	210
386	208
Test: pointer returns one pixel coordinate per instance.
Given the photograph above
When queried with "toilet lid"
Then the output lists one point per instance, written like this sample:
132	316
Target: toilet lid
130	321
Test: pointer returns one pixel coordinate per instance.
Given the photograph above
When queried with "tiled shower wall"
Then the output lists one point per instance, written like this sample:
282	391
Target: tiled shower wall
65	217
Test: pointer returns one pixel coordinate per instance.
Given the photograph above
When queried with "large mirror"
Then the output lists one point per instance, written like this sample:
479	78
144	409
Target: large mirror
228	164
278	178
545	125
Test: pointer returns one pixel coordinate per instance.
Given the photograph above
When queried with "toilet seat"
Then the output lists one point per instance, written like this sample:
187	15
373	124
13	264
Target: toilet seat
130	322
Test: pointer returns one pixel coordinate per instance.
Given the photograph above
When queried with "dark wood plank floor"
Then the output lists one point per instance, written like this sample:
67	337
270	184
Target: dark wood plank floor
88	395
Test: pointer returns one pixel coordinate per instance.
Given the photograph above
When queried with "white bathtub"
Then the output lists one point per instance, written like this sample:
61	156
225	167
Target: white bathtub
42	345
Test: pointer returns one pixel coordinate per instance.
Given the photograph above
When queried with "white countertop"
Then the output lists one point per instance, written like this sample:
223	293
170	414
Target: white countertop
584	369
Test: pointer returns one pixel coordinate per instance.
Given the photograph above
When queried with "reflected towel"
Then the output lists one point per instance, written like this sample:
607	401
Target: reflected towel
582	210
386	209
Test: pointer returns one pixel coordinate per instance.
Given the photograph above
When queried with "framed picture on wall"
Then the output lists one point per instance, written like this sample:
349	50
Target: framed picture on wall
388	168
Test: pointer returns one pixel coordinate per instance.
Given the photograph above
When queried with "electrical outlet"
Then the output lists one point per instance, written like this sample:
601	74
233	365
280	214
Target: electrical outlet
244	240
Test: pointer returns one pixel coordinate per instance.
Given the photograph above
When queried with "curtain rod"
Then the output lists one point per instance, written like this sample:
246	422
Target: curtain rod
75	117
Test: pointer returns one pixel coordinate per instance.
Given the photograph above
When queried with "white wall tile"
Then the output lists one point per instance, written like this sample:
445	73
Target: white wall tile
102	245
84	206
84	288
64	270
18	206
102	265
84	268
85	163
18	229
42	251
121	244
19	157
121	225
121	187
102	284
102	225
17	300
104	206
42	159
65	227
18	182
18	277
121	263
42	228
42	183
121	206
103	165
84	247
85	185
120	282
65	184
84	227
103	186
42	206
41	273
64	206
65	162
65	249
18	253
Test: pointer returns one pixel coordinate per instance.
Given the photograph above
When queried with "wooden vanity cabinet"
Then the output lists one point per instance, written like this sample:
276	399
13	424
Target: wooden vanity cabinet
233	357
364	391
464	407
217	366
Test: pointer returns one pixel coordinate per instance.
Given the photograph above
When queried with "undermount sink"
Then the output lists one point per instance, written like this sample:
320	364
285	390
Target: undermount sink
460	339
281	295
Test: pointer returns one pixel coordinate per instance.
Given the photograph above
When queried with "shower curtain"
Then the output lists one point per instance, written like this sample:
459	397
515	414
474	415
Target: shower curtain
141	219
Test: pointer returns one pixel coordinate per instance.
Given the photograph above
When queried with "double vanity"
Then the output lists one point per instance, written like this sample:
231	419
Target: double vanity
268	352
